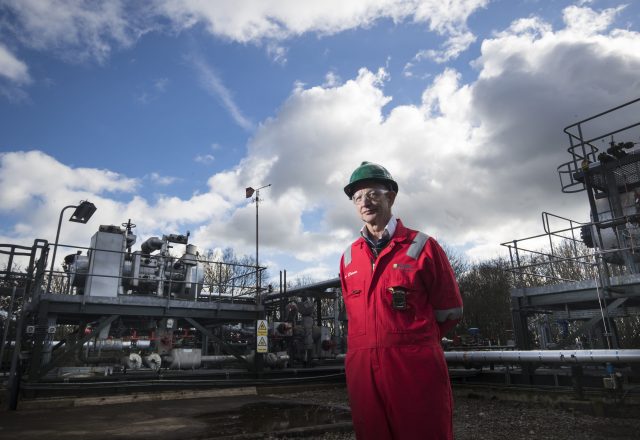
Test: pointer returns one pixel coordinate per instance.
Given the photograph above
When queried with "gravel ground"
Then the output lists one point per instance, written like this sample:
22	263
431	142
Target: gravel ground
496	420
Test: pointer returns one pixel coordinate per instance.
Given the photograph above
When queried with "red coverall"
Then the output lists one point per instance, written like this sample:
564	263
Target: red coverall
397	376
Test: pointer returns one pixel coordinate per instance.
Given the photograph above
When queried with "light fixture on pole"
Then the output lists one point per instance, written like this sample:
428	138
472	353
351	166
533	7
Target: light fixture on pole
248	193
82	214
259	361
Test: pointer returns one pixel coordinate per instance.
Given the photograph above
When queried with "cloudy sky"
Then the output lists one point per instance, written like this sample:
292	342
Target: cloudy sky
163	111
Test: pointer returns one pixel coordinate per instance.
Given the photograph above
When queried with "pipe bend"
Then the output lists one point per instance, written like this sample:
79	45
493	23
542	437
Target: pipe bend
151	244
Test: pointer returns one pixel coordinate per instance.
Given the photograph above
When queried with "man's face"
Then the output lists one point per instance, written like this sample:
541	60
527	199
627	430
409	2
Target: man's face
373	202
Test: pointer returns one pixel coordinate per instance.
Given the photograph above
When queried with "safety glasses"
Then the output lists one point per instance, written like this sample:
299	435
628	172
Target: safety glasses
373	195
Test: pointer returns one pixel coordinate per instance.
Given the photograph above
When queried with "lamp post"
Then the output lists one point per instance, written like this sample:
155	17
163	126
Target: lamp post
258	359
248	193
82	214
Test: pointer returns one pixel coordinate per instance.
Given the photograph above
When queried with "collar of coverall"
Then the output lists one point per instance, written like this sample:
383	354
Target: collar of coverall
389	230
401	234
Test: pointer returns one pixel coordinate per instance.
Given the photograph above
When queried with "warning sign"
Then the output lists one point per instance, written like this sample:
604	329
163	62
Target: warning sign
262	344
261	327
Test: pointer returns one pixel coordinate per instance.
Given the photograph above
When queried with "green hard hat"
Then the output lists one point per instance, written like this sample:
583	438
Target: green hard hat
370	171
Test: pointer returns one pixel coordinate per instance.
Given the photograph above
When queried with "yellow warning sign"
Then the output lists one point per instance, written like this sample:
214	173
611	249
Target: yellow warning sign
262	344
262	327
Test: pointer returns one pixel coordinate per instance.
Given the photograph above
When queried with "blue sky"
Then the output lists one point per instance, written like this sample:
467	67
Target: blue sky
164	111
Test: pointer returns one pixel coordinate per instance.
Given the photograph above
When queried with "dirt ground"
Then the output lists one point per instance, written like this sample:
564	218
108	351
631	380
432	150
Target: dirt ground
476	419
242	416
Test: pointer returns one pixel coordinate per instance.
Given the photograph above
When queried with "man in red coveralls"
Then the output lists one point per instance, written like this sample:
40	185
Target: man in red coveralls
401	298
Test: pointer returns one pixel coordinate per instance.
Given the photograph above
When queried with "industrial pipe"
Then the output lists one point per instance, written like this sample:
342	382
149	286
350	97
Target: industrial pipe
151	244
275	360
218	359
544	356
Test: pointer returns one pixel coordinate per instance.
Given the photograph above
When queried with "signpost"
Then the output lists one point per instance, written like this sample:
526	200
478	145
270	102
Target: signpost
262	342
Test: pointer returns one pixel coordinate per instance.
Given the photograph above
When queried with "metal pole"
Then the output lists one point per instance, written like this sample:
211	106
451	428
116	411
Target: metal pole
55	246
257	264
257	241
13	383
258	359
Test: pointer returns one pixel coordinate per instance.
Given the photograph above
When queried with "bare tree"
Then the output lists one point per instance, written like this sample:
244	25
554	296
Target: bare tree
227	274
458	262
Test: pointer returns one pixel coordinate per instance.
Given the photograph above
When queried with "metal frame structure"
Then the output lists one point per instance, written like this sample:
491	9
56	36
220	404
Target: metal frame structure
39	309
321	308
604	280
62	326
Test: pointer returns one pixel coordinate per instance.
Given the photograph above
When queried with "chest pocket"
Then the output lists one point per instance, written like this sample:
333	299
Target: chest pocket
354	301
405	306
408	311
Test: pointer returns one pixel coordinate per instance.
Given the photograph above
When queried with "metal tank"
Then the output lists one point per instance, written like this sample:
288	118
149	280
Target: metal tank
109	269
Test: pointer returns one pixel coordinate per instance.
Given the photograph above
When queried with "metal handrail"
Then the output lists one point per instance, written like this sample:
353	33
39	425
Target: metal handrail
581	148
228	283
524	268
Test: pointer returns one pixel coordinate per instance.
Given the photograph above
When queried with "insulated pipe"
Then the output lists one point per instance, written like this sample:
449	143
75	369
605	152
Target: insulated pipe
272	359
151	244
218	359
114	344
545	356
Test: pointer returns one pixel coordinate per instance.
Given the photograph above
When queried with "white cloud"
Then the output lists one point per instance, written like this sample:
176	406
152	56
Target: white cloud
204	158
80	30
48	175
277	20
586	21
75	29
476	162
277	53
52	185
331	79
254	20
450	20
312	274
152	92
161	84
162	180
12	68
212	83
454	46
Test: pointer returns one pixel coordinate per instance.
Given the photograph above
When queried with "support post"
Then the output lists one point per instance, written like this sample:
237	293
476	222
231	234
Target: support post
576	380
55	246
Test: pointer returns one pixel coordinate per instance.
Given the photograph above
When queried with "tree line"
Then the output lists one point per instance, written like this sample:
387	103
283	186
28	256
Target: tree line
485	288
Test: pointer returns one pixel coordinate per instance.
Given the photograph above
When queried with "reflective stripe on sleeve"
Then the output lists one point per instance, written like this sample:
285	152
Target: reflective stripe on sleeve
347	256
418	243
448	314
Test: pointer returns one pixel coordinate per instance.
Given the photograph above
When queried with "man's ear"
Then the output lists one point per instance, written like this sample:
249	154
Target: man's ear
392	197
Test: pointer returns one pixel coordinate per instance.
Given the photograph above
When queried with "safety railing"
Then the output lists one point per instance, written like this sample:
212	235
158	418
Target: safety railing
560	255
583	141
555	256
171	276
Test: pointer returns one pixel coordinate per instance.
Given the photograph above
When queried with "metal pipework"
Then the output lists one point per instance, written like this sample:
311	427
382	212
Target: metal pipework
276	360
544	356
218	359
151	244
